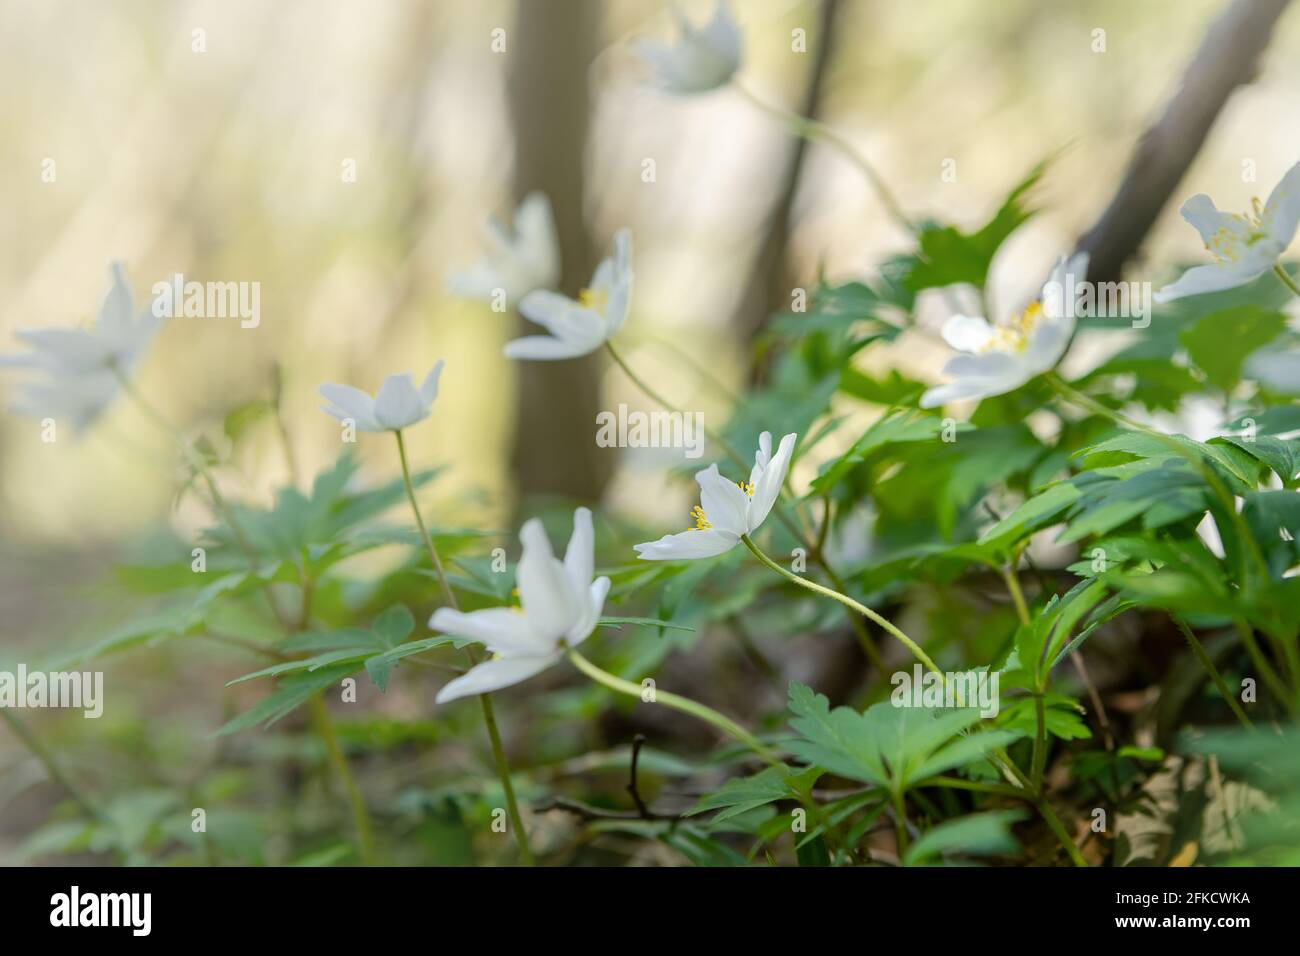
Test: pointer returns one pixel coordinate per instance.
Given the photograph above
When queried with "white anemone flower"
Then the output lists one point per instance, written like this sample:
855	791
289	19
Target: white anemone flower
76	371
518	261
1000	358
1277	371
1244	246
398	404
702	59
560	607
727	510
579	326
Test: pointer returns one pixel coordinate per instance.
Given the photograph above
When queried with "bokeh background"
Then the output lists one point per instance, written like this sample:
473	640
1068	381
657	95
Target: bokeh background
227	163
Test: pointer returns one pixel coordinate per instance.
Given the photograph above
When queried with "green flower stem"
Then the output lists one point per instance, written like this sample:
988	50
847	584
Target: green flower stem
1286	279
324	727
1058	829
900	824
46	758
1198	650
844	599
677	702
485	700
815	131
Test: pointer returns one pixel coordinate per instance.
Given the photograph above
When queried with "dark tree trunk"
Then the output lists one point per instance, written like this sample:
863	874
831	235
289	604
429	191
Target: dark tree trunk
551	49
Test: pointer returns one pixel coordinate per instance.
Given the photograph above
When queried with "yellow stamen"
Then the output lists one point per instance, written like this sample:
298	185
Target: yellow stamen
595	299
702	522
1015	334
746	487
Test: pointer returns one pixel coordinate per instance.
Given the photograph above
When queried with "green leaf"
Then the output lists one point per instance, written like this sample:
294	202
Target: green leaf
979	834
746	793
1220	342
948	256
292	693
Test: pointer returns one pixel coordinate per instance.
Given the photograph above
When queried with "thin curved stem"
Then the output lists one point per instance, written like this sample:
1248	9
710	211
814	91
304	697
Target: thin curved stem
1286	279
656	397
46	758
324	726
844	599
485	700
1202	656
677	702
817	131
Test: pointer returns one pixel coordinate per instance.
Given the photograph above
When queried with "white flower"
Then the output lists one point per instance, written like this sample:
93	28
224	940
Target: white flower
560	606
397	405
702	60
518	262
1277	371
77	369
579	326
1244	246
1001	358
727	510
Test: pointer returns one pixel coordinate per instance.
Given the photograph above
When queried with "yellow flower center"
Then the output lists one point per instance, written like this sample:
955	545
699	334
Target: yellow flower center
1227	242
595	299
1014	335
702	522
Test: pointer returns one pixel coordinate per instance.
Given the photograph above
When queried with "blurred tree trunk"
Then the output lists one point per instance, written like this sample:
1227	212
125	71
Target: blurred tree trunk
552	47
771	279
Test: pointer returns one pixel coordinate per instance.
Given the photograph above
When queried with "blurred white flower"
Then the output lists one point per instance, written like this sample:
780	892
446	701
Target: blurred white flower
1277	371
77	370
516	262
398	404
727	510
1001	358
560	606
702	59
579	326
1244	247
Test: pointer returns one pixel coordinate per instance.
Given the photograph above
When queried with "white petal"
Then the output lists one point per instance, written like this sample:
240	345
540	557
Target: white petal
967	333
502	630
1277	371
538	246
595	604
544	348
1207	219
493	675
115	313
348	402
429	387
620	291
688	544
1282	211
1047	343
398	403
579	557
1213	278
550	602
723	502
768	487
